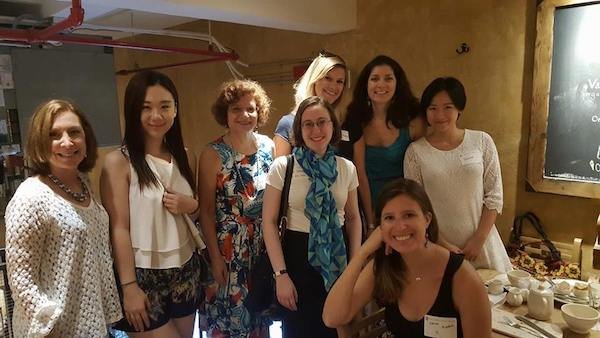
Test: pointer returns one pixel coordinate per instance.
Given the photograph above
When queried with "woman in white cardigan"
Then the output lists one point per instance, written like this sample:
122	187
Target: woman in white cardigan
57	236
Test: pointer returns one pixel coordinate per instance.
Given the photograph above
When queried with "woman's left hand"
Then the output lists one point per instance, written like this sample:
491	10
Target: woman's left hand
473	247
178	203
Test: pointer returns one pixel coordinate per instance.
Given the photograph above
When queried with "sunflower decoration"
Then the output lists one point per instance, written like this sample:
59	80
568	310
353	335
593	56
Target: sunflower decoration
559	272
573	271
526	261
541	269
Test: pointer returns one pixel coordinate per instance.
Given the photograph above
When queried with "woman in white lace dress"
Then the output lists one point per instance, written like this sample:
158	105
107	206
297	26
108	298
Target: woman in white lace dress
460	170
57	242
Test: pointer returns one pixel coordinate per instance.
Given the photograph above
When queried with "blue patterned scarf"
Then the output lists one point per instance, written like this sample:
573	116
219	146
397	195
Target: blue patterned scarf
326	247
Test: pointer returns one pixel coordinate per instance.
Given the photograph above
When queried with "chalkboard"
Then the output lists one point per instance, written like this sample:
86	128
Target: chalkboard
564	139
573	146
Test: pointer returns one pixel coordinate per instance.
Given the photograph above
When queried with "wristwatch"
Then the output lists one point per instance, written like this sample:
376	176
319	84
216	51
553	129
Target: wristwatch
279	273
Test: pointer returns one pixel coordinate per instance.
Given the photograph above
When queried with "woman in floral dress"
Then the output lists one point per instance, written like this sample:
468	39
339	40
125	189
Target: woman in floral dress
233	172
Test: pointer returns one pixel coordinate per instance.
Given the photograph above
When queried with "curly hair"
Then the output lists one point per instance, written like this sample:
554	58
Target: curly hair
403	108
37	149
232	91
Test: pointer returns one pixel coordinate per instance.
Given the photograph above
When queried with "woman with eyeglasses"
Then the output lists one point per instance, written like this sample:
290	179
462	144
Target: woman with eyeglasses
323	194
325	77
233	171
382	120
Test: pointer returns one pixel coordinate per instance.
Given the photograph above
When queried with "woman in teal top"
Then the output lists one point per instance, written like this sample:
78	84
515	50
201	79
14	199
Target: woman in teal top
382	121
384	164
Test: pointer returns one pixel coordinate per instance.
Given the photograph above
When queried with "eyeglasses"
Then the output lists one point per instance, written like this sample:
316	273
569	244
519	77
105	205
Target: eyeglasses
310	125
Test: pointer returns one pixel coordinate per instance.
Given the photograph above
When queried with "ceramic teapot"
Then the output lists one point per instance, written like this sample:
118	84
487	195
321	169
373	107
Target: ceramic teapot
540	303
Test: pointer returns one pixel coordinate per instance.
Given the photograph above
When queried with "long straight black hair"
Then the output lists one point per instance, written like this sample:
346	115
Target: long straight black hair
403	108
134	138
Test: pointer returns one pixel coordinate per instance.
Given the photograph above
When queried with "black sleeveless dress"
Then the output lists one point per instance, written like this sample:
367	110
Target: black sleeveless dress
442	307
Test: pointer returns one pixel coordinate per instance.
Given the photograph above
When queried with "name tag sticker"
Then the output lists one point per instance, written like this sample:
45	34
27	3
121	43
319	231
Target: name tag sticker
444	327
345	135
472	157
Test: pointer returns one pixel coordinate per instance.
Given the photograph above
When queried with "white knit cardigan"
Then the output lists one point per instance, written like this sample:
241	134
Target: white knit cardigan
59	265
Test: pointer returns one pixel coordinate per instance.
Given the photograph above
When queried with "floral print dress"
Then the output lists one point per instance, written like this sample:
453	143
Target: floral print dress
238	208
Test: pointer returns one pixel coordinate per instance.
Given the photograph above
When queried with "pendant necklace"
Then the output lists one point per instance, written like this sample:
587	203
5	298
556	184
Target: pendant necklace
78	196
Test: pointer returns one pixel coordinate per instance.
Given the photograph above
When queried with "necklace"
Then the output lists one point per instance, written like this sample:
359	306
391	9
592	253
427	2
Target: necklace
78	196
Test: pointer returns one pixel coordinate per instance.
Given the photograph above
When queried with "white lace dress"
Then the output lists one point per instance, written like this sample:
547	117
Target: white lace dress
59	265
459	182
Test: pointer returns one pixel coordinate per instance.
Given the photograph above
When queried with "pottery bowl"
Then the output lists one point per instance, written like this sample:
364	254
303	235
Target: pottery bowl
580	318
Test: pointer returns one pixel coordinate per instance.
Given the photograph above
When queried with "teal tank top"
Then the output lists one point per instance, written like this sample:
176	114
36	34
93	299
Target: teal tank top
384	164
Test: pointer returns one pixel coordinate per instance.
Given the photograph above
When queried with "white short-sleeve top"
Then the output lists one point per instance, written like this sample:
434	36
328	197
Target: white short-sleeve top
346	181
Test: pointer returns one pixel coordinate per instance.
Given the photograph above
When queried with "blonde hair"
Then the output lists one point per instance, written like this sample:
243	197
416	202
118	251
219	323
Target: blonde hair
318	69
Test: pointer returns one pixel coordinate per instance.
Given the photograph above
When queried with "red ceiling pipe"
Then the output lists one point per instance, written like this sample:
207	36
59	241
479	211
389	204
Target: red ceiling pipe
75	19
33	36
80	40
135	70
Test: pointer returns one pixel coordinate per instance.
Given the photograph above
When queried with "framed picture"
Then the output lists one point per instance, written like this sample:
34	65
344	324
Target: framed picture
564	140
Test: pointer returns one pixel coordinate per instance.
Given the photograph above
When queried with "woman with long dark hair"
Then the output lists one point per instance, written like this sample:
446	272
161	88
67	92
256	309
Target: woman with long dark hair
426	290
147	187
382	120
322	202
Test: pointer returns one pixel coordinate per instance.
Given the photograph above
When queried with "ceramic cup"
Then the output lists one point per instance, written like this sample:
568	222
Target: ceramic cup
580	290
563	288
495	287
594	295
519	278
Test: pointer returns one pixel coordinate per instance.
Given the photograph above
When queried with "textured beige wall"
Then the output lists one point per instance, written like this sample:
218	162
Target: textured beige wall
422	36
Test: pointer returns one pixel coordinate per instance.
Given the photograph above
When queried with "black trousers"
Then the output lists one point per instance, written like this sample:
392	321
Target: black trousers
306	321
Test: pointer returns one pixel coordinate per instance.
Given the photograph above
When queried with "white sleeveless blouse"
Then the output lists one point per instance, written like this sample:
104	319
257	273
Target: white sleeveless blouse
160	239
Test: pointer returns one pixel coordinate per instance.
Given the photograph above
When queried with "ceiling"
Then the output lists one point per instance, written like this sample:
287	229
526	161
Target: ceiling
160	14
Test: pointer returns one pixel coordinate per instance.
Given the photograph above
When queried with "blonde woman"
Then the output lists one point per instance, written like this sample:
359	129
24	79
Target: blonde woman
326	78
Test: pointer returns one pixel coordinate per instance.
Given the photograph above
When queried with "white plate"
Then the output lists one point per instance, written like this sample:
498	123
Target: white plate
572	283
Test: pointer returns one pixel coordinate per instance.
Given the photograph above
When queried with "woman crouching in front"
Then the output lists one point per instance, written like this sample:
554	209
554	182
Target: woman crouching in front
426	290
